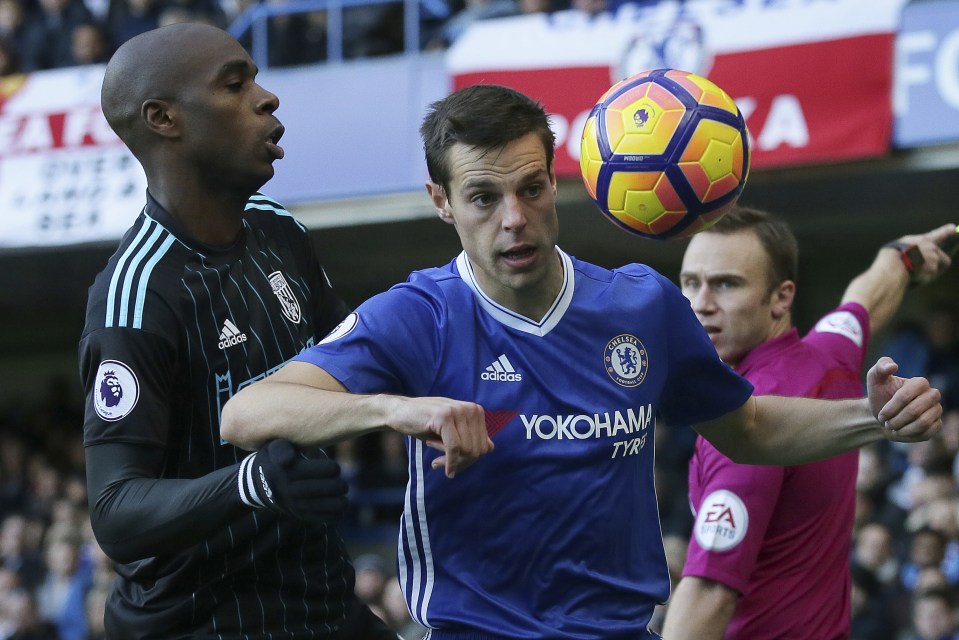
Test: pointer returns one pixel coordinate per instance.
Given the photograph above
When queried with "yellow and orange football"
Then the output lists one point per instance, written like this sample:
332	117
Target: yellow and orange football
665	153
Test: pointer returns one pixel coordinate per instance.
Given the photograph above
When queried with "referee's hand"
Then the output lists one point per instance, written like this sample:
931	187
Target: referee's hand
909	409
280	478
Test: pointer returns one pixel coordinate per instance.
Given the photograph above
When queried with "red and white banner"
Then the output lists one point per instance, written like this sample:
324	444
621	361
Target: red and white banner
64	175
812	77
66	178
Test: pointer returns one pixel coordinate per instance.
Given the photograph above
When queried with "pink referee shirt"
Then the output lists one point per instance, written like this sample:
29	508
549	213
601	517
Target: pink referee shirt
781	536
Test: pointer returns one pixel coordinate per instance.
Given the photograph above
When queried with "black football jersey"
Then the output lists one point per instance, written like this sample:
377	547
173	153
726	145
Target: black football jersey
173	329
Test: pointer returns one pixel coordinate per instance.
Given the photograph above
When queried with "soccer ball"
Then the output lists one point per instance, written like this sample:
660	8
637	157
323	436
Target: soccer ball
664	153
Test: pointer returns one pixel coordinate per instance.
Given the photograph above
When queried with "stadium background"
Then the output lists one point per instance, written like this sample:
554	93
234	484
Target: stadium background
353	171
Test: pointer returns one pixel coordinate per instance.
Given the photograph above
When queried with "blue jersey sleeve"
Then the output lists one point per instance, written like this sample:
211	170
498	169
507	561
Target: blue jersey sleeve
390	344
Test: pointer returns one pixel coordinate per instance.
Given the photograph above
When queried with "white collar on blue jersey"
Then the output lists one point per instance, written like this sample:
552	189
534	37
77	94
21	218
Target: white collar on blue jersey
512	319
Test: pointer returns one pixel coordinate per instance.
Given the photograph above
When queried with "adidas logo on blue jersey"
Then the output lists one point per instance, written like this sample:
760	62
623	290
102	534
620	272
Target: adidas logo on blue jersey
230	335
501	371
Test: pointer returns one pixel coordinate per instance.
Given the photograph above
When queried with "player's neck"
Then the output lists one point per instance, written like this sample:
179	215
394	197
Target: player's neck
779	327
532	301
211	219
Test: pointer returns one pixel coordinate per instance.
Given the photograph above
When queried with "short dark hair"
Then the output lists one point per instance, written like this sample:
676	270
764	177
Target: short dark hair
483	116
775	236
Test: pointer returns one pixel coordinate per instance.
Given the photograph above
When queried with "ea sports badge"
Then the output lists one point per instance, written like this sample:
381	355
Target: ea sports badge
722	521
116	391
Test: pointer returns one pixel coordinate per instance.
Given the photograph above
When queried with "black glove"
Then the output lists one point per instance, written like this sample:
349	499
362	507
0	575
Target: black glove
280	478
362	624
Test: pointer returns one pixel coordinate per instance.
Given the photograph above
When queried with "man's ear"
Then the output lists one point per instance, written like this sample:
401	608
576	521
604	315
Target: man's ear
782	298
441	202
159	117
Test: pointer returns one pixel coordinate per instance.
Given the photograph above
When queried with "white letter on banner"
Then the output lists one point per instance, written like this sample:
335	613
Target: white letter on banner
906	74
947	69
560	128
746	106
576	135
785	124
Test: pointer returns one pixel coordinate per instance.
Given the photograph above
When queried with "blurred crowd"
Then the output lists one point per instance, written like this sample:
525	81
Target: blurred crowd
53	576
36	35
905	564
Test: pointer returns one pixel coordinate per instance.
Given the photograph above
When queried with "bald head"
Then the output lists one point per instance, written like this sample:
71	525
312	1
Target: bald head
155	65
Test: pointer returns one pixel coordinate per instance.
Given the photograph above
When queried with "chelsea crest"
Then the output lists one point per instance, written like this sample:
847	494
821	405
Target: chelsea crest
626	360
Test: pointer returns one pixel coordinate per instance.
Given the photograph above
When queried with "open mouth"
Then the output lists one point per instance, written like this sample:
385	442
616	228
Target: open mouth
272	141
519	254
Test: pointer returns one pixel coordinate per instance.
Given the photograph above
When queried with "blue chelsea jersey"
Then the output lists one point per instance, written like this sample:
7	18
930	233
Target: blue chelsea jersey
555	534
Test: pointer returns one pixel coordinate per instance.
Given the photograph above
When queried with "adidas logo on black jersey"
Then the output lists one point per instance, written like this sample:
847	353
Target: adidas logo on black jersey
230	335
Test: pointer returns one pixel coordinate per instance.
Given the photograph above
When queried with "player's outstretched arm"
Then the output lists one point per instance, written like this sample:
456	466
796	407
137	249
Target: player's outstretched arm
915	259
305	404
136	514
700	609
788	431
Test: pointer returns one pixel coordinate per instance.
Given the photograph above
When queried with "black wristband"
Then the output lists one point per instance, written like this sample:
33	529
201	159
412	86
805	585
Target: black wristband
910	254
